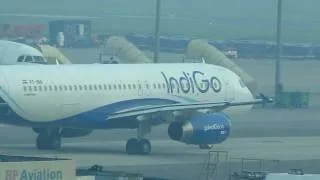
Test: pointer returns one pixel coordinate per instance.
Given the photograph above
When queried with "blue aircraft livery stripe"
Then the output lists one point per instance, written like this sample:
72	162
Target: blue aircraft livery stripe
101	113
97	115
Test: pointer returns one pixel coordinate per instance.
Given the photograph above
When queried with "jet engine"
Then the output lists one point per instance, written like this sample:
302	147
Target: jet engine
203	128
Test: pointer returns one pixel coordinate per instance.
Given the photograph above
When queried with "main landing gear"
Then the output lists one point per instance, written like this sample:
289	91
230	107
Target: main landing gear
205	146
49	140
140	145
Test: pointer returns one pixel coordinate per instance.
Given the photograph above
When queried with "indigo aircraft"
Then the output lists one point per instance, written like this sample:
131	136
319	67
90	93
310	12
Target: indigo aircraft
57	102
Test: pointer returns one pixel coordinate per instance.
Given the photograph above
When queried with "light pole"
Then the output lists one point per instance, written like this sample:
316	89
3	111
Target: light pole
278	85
157	38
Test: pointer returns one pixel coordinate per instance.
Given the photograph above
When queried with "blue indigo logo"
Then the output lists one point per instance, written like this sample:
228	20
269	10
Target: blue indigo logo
192	83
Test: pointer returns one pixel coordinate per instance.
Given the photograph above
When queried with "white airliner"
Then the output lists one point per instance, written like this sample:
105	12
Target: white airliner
72	100
18	53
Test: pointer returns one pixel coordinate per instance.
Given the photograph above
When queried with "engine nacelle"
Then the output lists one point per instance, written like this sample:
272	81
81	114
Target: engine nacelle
72	132
203	128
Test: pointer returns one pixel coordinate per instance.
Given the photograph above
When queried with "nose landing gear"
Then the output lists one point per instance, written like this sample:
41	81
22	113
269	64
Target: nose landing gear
140	145
48	140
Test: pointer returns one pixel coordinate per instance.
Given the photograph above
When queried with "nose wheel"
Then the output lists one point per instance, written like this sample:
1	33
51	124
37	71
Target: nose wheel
138	146
48	141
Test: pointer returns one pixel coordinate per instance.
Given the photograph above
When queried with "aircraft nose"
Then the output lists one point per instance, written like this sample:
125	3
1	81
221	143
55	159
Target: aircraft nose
247	94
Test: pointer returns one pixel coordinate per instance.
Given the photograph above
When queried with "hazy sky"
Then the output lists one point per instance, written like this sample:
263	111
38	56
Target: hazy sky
219	18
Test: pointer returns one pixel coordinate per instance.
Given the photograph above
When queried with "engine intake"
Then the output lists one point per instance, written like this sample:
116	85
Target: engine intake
211	128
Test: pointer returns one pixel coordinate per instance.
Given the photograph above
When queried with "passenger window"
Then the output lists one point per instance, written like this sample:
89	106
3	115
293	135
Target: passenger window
133	86
30	88
35	88
105	87
95	87
159	86
114	86
40	88
65	87
80	87
20	59
55	88
50	88
119	86
60	88
70	87
45	88
124	86
90	87
74	87
139	86
24	88
100	87
154	86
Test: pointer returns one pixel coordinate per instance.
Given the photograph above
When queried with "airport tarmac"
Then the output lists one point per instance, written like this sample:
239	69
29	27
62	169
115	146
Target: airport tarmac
285	135
289	135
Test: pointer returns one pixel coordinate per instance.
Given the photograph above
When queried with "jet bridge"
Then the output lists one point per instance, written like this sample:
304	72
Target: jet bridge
126	51
202	49
52	54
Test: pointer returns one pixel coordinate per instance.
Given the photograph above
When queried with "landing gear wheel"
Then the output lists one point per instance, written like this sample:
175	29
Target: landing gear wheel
206	146
48	141
54	142
135	146
145	146
42	141
132	146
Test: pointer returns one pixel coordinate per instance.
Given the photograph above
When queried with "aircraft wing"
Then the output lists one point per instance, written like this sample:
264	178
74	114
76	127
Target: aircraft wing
186	107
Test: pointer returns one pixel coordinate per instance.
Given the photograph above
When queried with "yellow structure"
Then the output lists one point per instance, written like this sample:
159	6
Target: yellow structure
202	49
52	54
126	51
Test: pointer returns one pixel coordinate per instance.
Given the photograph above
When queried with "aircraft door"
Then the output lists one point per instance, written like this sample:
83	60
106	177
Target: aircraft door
2	53
146	89
229	91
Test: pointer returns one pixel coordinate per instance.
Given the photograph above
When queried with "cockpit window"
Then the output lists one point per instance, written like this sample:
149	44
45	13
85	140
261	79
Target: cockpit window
32	59
20	59
39	59
28	59
242	83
